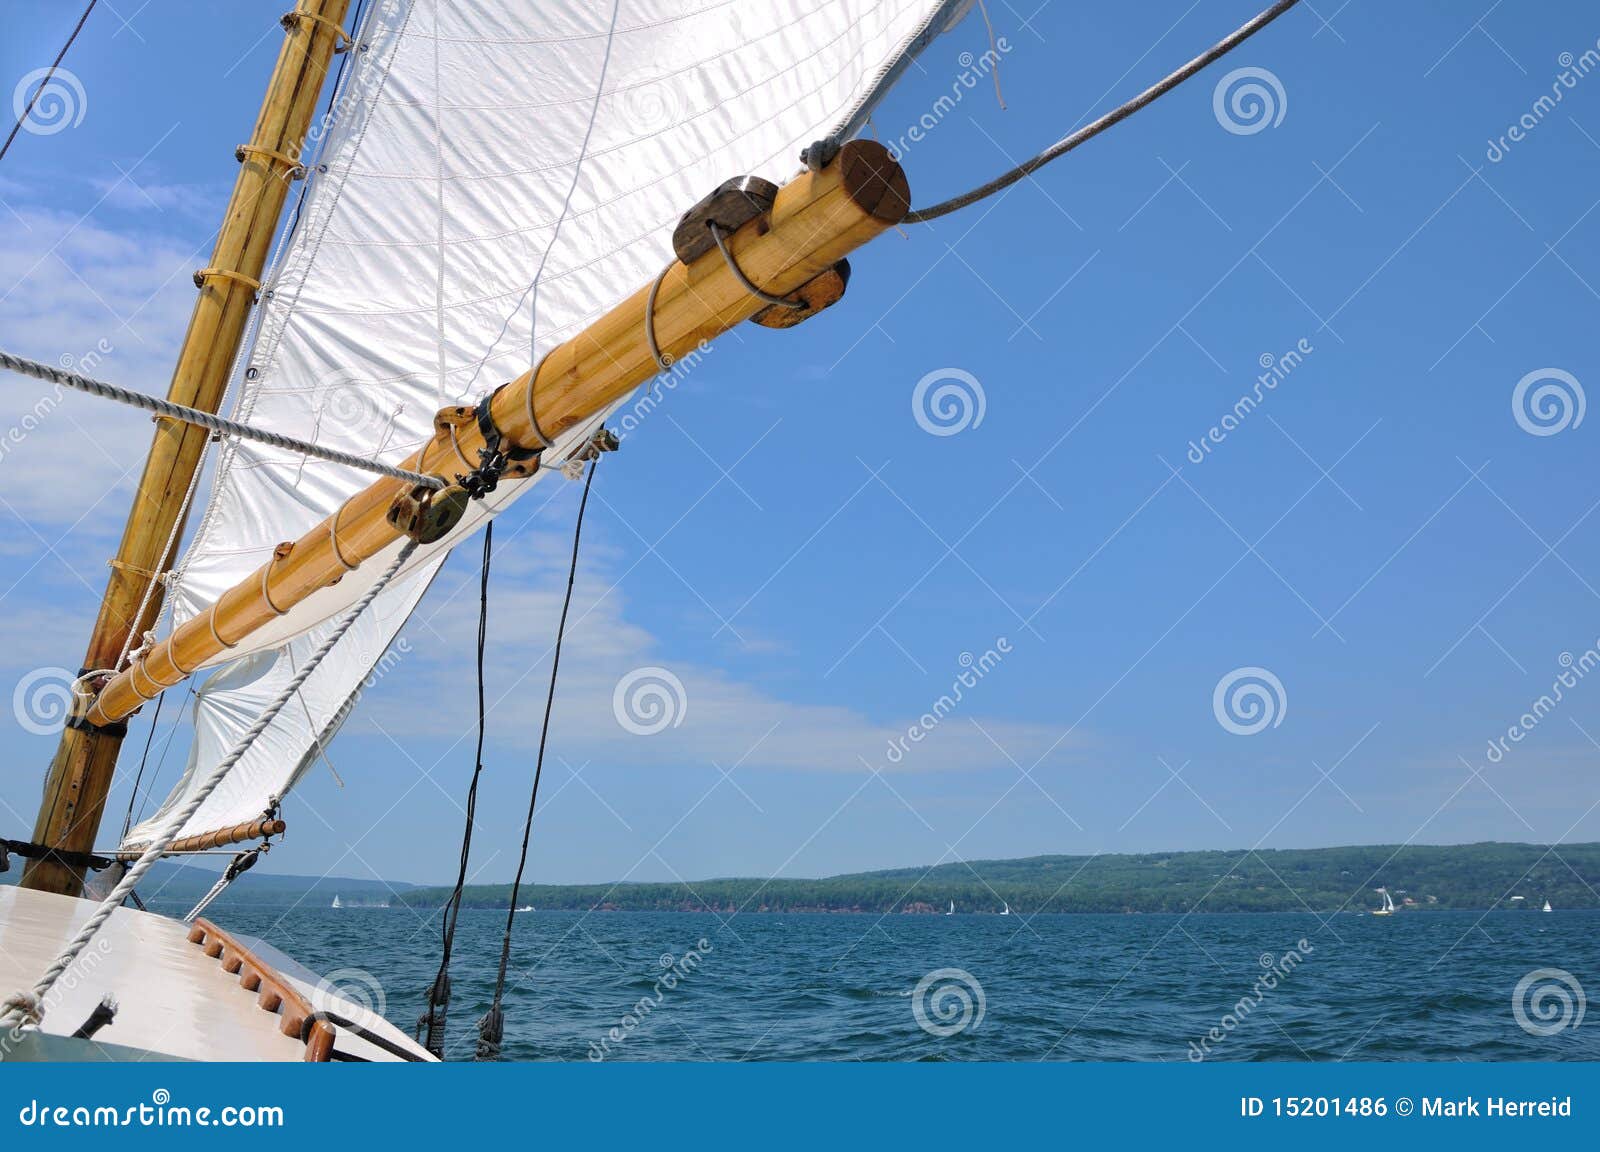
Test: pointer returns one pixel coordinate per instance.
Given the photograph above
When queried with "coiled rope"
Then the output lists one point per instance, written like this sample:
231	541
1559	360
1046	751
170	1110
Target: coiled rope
211	421
1115	116
19	1008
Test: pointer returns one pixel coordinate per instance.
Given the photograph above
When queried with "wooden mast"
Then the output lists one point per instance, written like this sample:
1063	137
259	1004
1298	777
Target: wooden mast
80	776
817	219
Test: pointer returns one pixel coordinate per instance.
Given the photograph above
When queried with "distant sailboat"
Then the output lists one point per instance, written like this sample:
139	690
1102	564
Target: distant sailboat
1006	911
336	903
1547	907
952	911
1388	904
526	908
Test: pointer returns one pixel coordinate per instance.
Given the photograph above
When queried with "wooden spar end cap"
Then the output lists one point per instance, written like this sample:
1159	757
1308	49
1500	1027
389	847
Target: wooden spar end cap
875	180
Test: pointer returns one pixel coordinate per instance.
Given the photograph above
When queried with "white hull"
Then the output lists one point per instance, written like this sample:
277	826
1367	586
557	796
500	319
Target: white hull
174	1000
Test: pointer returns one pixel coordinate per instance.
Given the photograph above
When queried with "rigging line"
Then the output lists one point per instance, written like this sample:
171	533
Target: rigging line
491	1029
24	1006
214	423
166	746
144	758
45	83
1115	116
434	1016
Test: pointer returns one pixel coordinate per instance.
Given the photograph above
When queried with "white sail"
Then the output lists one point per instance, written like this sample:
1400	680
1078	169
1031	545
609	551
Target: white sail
496	176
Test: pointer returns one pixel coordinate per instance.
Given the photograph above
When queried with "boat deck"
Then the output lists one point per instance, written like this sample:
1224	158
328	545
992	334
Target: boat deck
173	998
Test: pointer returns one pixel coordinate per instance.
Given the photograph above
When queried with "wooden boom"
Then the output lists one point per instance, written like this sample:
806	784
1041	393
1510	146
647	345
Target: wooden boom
818	218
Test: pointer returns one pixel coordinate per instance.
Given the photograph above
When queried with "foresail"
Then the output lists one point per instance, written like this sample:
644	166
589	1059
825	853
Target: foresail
497	175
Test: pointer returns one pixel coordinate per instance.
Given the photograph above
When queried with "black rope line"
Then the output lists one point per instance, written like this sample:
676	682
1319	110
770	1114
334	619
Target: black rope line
491	1029
433	1019
1115	116
45	83
144	758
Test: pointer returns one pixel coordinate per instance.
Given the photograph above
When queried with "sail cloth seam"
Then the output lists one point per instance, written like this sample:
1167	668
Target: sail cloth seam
169	833
207	420
1115	116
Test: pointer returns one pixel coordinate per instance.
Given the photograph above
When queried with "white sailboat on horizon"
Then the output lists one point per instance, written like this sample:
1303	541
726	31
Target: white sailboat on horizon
1388	904
1547	907
952	911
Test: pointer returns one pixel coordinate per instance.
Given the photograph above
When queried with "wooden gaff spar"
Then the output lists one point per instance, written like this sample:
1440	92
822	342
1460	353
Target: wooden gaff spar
80	775
817	219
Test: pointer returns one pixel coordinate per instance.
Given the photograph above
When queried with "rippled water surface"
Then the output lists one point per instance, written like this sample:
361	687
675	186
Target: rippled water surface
1428	986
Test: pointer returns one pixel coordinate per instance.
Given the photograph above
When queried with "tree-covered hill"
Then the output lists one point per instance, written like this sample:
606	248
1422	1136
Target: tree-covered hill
1476	876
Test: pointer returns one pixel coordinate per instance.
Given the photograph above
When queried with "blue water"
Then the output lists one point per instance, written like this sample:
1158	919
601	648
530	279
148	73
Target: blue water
1420	986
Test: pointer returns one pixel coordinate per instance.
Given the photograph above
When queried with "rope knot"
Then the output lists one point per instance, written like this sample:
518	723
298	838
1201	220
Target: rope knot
27	1006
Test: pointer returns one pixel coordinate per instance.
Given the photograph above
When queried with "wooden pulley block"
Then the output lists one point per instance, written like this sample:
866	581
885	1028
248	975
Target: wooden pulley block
734	203
427	514
821	291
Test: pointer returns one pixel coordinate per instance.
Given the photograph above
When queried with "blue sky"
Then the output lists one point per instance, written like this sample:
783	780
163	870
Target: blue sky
1380	533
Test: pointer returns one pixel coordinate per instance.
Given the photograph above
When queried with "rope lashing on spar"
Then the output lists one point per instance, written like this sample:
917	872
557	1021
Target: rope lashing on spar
818	154
207	420
238	866
15	1008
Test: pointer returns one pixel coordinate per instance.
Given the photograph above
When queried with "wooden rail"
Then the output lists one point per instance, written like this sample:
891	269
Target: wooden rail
273	993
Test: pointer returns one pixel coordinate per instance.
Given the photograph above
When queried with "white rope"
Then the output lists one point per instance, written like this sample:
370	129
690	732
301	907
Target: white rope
207	420
16	1005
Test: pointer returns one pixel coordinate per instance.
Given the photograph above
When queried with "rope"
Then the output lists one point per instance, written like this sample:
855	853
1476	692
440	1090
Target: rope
164	839
1115	116
433	1018
45	83
744	281
491	1029
206	419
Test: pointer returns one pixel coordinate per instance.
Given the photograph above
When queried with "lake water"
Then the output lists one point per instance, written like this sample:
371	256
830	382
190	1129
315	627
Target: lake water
1424	986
